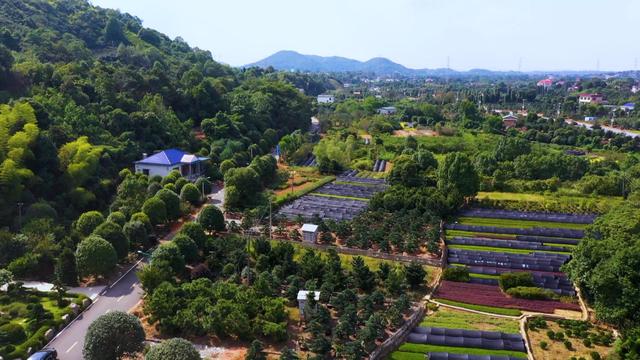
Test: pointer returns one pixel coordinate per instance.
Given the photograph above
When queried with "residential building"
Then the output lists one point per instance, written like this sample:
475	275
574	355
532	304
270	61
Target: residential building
509	121
546	83
326	99
387	110
590	98
162	163
309	233
635	89
628	106
590	118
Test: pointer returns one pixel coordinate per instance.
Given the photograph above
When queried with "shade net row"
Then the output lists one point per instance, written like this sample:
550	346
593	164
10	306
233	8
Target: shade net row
492	335
488	270
309	206
534	261
507	244
544	239
450	356
537	231
351	176
380	165
529	215
480	341
309	161
352	190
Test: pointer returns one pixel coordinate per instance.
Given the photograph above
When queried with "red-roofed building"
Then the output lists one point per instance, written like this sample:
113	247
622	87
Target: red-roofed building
587	98
546	83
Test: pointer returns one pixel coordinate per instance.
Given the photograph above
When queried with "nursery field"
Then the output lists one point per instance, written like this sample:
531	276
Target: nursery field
445	317
569	339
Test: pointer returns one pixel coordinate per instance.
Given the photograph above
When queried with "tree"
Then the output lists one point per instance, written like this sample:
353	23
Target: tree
415	274
95	256
173	349
155	210
169	253
242	186
66	271
117	217
172	203
187	247
509	148
457	172
151	276
87	222
288	354
136	234
256	351
113	31
113	336
190	194
6	277
112	232
196	232
364	278
203	184
211	218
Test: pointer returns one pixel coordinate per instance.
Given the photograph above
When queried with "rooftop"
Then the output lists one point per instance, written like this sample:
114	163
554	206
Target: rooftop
303	294
309	228
171	157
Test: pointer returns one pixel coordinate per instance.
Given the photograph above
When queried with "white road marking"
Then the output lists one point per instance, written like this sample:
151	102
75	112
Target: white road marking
120	298
71	347
108	310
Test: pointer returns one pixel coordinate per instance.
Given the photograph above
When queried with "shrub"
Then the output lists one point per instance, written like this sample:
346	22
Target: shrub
190	194
203	184
173	349
515	279
12	334
172	203
187	247
156	210
595	355
88	221
117	217
551	334
456	273
168	253
537	322
24	266
95	256
195	231
180	183
112	336
544	345
211	218
586	342
568	345
531	293
112	232
143	218
40	210
136	233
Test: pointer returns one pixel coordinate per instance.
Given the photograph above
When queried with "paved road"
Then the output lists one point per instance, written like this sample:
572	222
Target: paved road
604	127
123	296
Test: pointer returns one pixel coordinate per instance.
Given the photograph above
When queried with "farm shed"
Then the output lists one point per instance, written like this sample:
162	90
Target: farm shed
309	232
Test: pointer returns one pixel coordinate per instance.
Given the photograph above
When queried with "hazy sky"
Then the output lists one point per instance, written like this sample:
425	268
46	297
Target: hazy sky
490	34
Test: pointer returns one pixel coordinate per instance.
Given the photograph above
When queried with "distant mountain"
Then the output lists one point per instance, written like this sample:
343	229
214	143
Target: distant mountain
291	60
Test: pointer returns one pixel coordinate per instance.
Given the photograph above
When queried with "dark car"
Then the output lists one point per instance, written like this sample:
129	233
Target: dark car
44	354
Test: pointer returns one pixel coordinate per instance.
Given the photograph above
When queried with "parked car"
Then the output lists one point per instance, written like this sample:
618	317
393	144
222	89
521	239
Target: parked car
44	354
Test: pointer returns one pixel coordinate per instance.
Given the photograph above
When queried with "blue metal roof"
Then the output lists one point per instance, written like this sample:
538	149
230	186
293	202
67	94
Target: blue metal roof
167	157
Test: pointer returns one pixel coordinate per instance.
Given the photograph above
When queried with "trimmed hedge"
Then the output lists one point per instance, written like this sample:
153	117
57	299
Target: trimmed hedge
456	273
531	293
515	279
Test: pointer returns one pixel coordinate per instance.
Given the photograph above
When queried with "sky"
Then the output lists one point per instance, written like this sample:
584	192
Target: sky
489	34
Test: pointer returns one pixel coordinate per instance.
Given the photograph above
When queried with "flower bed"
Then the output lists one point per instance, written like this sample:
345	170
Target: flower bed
492	296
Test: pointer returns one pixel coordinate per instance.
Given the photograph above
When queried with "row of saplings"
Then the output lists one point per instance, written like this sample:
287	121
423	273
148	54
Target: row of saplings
576	329
516	284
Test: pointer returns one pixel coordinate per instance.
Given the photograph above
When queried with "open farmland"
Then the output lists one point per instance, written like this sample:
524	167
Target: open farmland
341	200
490	242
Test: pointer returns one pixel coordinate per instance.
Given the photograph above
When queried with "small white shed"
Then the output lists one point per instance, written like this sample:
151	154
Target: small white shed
303	295
309	233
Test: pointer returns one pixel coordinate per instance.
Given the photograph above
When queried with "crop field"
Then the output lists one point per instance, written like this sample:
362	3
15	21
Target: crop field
490	242
425	349
456	319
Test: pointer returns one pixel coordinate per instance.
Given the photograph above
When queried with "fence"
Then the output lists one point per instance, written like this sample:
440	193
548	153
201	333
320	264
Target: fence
399	336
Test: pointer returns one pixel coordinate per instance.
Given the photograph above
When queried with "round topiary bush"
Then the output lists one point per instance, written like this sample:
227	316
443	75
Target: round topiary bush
117	217
95	256
113	336
12	334
190	194
173	349
87	222
187	246
113	233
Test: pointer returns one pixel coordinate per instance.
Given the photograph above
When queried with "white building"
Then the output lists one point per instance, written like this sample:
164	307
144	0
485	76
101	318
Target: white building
326	99
591	98
162	163
387	110
309	233
302	297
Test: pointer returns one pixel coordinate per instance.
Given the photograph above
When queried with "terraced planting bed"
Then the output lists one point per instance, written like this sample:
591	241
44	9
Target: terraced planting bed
445	332
340	200
584	339
490	242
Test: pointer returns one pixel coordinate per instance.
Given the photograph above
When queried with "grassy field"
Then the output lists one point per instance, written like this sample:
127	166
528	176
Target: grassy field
502	250
424	348
484	276
401	355
557	202
458	319
487	309
508	223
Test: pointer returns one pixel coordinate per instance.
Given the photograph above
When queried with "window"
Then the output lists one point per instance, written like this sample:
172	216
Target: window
145	171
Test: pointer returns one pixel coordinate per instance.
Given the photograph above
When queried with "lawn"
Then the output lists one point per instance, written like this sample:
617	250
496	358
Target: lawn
509	223
425	348
484	276
401	355
501	250
483	308
457	319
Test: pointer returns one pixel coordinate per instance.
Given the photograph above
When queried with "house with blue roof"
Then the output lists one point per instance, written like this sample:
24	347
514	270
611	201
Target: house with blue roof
162	163
628	106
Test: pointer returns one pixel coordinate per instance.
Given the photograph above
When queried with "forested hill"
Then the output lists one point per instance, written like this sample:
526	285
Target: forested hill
85	91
